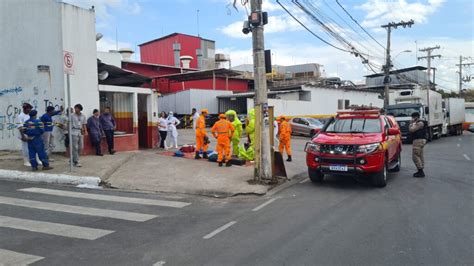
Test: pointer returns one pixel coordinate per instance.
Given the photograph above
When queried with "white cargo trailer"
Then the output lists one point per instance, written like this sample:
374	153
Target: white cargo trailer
455	115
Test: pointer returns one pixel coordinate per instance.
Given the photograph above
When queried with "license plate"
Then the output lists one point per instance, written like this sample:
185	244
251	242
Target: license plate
339	168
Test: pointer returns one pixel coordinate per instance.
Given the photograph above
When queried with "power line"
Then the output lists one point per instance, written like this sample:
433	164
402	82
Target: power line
353	19
310	31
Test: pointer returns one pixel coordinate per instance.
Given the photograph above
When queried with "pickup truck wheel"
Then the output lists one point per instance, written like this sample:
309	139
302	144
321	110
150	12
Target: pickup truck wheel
399	163
315	175
380	179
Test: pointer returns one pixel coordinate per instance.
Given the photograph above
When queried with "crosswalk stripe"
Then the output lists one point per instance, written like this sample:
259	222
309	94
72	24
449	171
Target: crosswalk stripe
8	257
123	215
81	195
57	229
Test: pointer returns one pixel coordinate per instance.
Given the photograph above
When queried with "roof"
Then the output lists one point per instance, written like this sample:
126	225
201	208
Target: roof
121	77
398	71
200	75
251	94
154	65
174	34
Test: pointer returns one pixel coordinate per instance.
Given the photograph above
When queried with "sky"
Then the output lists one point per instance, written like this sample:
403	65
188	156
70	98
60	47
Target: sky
447	23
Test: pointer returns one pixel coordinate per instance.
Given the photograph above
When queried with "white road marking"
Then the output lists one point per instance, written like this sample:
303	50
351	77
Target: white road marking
263	205
159	263
220	229
123	215
81	195
57	229
8	257
304	180
467	157
459	145
459	139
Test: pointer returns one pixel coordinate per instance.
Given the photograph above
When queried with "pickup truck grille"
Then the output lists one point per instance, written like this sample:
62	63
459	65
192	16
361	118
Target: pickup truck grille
403	125
344	161
338	149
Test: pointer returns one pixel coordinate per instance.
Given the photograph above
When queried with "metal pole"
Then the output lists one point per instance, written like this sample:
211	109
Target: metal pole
460	73
429	85
69	124
262	151
387	72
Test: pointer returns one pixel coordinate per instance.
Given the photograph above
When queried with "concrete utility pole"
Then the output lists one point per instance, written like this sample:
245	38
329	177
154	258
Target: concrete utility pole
461	58
428	50
262	138
388	61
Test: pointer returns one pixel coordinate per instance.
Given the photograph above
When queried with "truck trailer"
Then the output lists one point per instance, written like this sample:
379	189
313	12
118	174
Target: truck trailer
454	116
403	103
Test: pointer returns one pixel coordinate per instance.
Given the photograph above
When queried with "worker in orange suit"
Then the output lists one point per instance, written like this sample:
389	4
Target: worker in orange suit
223	130
285	137
202	140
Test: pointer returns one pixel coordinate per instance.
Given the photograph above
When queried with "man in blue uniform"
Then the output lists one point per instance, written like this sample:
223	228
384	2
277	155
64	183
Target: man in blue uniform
34	130
48	139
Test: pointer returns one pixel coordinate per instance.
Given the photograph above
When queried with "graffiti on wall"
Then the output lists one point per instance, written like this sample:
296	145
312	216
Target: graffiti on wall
10	111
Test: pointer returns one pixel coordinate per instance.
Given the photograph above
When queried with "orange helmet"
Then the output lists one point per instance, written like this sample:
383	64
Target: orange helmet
204	111
222	116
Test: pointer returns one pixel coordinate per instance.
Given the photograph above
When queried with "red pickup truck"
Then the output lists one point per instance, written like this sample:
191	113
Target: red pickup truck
359	142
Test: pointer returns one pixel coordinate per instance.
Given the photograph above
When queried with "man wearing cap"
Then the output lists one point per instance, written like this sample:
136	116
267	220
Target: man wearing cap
223	130
417	130
47	120
202	140
78	130
20	121
33	130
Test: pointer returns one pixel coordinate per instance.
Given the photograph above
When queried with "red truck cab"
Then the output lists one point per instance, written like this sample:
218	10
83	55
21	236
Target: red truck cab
359	142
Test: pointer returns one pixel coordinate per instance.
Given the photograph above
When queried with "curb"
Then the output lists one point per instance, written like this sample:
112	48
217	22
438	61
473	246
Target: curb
49	178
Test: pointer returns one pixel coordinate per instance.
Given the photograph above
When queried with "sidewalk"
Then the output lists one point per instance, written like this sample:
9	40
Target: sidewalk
147	170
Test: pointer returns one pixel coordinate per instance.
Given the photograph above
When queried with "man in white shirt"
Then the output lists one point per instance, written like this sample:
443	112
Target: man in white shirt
20	121
78	125
195	116
173	122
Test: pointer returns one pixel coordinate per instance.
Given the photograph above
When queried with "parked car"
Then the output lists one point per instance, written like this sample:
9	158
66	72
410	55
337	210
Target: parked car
361	143
471	128
305	126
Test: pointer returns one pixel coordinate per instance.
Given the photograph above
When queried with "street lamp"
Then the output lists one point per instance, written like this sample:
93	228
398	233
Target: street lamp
406	51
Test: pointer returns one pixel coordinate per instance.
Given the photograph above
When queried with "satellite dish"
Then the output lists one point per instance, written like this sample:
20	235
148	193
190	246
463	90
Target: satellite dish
98	36
103	75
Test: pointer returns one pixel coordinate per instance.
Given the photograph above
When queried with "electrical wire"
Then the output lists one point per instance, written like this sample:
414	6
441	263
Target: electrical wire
310	31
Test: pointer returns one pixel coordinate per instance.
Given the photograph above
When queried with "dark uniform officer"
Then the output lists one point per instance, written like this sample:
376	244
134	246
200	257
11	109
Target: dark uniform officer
417	129
34	129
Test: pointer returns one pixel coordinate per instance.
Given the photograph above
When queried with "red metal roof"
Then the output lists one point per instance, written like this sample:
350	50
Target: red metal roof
174	34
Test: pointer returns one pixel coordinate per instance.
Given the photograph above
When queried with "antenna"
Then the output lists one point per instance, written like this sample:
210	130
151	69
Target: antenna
116	38
197	17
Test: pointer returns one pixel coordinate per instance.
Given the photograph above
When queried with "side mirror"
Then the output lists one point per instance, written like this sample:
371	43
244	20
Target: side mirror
393	131
427	110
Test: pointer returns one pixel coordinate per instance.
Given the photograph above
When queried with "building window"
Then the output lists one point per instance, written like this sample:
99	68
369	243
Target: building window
347	104
340	105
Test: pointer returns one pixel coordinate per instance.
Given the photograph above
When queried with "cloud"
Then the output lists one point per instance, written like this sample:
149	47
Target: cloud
380	12
103	8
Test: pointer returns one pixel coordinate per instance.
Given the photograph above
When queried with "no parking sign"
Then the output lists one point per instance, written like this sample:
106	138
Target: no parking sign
68	62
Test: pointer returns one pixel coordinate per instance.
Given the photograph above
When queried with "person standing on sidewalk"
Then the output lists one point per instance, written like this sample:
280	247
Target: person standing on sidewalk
48	139
95	131
418	132
107	122
195	117
202	140
285	138
234	119
20	121
223	130
78	124
34	129
163	129
173	122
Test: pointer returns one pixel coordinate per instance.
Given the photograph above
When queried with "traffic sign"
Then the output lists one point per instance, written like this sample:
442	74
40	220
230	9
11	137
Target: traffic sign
68	62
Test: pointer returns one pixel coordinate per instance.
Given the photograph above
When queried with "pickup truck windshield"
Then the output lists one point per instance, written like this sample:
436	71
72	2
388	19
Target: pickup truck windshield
402	112
354	125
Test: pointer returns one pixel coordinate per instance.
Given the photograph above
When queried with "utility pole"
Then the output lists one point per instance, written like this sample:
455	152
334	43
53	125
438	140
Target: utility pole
428	50
388	61
461	58
263	170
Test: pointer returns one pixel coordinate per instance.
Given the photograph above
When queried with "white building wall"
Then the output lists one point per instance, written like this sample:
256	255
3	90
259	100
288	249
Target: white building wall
182	102
110	58
323	101
31	35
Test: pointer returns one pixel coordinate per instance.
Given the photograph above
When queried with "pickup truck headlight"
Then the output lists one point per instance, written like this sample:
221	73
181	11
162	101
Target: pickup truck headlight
312	147
369	148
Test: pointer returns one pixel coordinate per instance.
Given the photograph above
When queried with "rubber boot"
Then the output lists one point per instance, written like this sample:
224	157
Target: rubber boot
419	174
289	158
228	164
204	155
197	157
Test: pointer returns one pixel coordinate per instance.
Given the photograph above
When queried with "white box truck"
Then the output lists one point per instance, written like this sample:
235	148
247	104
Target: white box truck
404	102
454	116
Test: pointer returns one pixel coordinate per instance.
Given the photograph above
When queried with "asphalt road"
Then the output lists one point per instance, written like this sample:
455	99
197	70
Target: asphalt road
340	222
